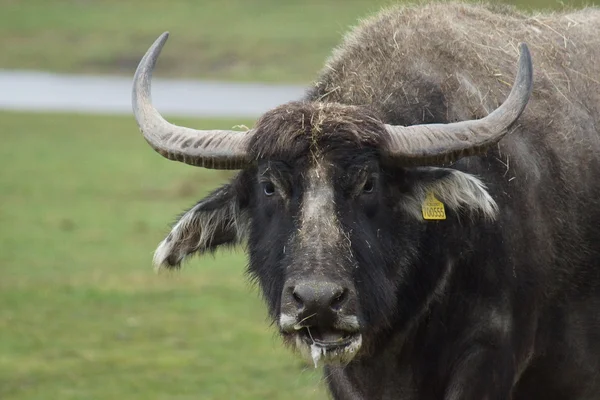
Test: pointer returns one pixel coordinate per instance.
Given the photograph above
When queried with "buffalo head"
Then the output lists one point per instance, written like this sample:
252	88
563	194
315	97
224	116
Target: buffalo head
328	202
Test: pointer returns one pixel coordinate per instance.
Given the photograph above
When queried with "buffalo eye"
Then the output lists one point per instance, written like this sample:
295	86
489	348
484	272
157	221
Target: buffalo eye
268	189
369	186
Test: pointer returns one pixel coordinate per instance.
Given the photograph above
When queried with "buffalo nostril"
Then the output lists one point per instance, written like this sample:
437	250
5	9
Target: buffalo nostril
339	299
297	299
317	297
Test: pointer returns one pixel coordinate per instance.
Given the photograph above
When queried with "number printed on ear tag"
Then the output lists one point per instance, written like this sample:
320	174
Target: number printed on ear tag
433	209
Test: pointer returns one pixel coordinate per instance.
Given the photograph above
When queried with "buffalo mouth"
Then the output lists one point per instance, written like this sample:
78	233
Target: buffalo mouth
327	345
335	343
329	339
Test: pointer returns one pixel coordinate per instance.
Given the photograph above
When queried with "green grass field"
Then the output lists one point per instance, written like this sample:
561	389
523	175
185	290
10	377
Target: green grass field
83	203
265	40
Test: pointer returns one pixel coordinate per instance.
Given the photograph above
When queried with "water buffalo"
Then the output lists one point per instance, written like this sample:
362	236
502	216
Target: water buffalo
419	224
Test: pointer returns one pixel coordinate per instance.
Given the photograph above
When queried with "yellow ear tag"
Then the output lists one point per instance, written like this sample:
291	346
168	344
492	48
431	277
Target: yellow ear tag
433	209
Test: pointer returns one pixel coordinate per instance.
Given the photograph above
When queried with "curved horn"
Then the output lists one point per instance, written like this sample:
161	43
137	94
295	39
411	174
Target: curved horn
444	143
215	149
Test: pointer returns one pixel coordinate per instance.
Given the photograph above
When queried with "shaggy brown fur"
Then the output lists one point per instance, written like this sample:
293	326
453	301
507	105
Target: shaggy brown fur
455	61
295	129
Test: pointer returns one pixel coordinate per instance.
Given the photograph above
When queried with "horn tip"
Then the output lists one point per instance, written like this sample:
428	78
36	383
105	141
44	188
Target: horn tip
162	39
526	63
524	49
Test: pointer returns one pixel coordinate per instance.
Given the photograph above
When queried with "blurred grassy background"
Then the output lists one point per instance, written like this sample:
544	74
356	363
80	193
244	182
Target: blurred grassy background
84	201
82	315
264	40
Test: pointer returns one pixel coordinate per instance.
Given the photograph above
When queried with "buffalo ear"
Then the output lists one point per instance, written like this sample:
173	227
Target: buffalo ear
457	190
217	220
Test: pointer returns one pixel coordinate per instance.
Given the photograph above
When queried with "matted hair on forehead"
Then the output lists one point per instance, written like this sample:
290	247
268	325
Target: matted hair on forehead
297	128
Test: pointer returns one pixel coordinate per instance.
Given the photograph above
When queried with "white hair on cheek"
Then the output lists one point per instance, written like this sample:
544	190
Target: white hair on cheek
458	190
195	231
